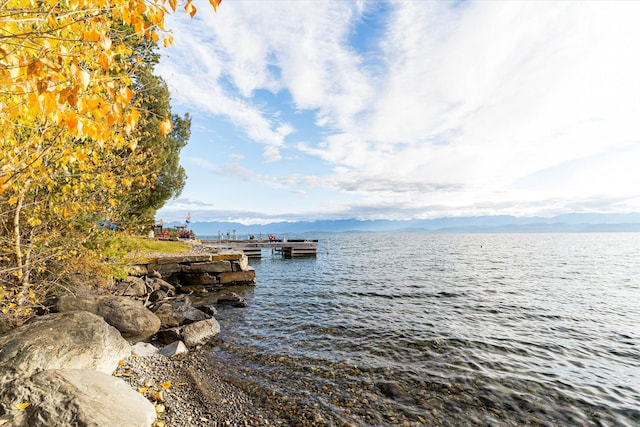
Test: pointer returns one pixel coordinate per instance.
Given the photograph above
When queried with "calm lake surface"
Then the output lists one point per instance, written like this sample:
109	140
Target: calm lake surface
443	329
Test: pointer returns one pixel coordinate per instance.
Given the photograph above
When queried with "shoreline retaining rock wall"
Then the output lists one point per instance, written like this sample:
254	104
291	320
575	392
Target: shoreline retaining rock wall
225	268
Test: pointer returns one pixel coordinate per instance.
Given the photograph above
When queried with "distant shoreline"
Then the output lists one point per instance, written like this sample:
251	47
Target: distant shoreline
588	229
571	223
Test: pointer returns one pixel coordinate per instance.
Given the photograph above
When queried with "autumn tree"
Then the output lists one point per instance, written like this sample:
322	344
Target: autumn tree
69	152
166	177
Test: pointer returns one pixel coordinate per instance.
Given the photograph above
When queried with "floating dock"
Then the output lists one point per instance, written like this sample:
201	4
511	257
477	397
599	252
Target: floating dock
252	248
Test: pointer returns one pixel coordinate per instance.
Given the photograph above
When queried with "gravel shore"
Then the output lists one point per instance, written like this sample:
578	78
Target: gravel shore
187	394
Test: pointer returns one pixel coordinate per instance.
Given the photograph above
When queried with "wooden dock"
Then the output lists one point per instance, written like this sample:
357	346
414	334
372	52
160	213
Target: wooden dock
253	248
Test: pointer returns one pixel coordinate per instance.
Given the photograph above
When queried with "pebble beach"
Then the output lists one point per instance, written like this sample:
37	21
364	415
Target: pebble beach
187	394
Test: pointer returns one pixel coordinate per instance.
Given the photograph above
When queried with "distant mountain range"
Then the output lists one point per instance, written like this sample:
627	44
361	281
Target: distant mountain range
479	224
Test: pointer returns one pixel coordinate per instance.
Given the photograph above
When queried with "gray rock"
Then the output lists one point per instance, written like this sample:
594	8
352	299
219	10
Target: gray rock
240	265
73	340
172	315
69	303
165	270
144	349
207	308
174	349
194	289
165	313
198	333
207	267
198	279
157	295
130	317
136	270
70	397
162	285
393	390
189	314
246	277
232	299
169	335
132	286
179	259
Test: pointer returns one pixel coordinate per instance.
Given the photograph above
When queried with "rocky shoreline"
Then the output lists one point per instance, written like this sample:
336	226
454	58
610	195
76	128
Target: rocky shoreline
186	393
88	364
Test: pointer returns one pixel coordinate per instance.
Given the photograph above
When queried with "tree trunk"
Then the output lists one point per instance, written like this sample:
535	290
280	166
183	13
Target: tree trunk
22	271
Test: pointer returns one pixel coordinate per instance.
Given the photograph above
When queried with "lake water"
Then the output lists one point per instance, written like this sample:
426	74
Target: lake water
443	329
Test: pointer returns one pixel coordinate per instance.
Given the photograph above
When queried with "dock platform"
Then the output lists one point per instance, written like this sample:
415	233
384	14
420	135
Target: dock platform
253	248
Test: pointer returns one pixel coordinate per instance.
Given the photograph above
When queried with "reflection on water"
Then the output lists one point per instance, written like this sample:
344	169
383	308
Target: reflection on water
423	329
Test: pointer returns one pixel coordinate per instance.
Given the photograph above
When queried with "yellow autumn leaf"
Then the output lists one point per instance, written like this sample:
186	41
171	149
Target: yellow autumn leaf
105	61
92	35
106	43
34	222
142	389
165	127
190	8
22	406
167	41
215	4
84	78
166	384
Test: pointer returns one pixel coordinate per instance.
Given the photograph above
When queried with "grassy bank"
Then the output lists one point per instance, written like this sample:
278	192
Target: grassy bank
137	244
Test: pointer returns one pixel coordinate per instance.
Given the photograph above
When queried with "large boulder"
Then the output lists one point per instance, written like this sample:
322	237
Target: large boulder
69	303
192	335
165	314
130	317
73	340
132	286
69	397
200	332
171	314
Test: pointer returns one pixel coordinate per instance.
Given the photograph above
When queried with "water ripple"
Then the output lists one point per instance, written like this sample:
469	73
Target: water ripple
532	329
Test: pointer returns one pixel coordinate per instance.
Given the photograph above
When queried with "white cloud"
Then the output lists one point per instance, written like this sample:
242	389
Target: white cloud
267	46
460	105
486	94
272	154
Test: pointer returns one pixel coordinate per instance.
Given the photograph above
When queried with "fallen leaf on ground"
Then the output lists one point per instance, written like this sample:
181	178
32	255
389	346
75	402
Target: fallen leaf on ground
22	406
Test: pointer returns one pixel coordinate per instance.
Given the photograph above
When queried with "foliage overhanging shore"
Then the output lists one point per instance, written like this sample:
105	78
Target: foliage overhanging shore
88	142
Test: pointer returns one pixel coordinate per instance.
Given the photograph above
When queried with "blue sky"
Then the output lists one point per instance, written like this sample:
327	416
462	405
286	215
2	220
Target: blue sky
318	109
